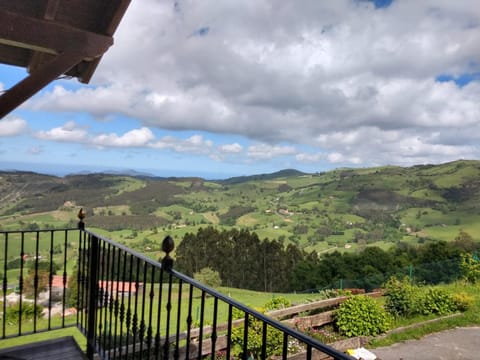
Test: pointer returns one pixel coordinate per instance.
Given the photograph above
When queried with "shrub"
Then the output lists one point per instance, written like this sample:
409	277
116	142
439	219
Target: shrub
209	277
470	268
401	297
361	316
237	314
277	303
437	301
29	311
463	301
254	340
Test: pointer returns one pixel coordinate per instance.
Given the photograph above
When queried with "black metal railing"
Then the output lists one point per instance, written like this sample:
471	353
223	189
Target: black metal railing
129	306
34	271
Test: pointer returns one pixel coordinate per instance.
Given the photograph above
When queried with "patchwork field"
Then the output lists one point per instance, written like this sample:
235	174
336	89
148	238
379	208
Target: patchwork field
343	209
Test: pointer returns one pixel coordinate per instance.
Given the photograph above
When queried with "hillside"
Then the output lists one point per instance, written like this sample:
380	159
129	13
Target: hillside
343	208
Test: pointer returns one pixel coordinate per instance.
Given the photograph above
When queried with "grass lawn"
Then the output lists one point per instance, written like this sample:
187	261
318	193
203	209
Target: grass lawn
256	300
27	339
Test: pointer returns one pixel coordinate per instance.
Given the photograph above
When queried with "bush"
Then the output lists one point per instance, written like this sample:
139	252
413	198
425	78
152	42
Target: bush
463	301
29	311
437	301
401	297
209	277
470	268
361	316
277	303
404	299
254	340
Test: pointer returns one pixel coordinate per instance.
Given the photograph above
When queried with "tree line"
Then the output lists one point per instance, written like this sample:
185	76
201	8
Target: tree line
245	261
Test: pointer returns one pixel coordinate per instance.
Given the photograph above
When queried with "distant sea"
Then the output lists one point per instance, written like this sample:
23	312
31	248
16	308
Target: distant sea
62	170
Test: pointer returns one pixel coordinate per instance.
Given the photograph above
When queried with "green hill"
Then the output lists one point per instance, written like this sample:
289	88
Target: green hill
343	208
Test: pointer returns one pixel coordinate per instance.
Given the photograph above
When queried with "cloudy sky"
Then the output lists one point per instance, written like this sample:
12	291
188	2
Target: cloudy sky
222	88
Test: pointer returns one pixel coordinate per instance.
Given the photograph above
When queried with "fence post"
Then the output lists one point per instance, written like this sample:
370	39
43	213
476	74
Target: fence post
167	247
81	216
93	295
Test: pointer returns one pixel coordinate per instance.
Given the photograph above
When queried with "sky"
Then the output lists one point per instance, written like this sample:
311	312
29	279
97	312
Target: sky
225	88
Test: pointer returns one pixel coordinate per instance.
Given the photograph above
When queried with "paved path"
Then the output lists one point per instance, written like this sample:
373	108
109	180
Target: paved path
455	344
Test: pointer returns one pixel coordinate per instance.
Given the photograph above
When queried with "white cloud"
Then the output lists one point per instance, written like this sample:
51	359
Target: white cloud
194	145
12	126
309	158
336	158
234	148
339	76
69	132
133	138
266	152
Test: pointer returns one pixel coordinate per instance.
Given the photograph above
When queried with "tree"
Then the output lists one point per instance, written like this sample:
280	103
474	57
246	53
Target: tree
29	286
464	241
208	277
42	269
470	268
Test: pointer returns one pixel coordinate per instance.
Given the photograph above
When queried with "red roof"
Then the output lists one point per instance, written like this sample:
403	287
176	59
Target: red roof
121	286
57	281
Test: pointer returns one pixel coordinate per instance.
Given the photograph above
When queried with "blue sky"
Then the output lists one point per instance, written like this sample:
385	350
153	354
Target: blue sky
237	88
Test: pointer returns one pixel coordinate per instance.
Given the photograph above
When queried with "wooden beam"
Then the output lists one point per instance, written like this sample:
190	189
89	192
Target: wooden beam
51	9
38	58
121	8
50	37
33	83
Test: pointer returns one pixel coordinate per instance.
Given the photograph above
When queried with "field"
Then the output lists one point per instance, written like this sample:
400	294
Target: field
343	209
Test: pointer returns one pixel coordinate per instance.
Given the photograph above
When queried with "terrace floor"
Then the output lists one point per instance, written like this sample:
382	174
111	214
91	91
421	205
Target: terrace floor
64	348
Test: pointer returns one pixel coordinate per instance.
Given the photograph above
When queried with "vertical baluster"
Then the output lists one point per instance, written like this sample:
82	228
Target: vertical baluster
264	340
150	315
85	280
141	330
65	276
112	299
229	331
92	294
159	317
166	345
50	281
200	335
20	280
107	293
118	259
35	282
245	354
128	317
5	258
214	327
122	306
179	315
189	321
309	352
285	346
135	309
102	286
80	288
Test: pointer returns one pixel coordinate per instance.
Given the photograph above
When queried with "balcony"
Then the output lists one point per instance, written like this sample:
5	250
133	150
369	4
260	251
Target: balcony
128	306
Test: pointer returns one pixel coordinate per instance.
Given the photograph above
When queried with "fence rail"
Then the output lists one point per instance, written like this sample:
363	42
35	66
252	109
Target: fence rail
129	306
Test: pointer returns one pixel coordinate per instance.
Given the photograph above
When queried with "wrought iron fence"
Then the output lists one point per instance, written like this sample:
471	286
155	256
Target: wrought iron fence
34	267
132	307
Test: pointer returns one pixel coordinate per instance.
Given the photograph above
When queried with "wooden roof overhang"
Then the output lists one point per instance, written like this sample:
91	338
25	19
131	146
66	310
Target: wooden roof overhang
51	38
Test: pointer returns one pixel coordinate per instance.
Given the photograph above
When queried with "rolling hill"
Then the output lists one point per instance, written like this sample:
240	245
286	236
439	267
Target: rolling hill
343	208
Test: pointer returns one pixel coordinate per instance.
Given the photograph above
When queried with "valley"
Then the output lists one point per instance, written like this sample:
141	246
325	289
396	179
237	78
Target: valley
343	209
